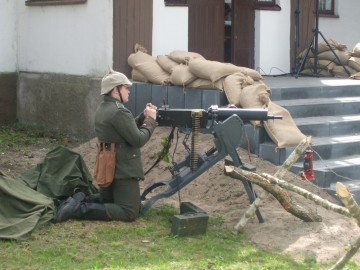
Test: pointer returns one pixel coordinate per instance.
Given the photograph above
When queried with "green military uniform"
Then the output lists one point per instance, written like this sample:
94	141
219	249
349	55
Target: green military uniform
115	124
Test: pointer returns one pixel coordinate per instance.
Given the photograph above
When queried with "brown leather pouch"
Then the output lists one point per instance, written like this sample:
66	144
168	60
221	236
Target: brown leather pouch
105	164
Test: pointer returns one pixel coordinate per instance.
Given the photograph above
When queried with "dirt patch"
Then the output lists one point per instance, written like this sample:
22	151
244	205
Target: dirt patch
224	196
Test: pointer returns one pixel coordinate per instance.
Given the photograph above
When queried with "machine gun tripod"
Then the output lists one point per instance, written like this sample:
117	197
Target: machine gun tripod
226	126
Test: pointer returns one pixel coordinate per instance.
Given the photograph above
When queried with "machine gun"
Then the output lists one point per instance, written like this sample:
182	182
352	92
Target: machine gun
225	124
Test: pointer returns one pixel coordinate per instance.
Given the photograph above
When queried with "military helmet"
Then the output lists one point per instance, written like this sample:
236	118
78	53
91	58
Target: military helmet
113	79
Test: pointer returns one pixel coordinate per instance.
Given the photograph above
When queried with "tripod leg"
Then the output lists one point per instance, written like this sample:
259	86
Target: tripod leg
336	56
302	63
252	196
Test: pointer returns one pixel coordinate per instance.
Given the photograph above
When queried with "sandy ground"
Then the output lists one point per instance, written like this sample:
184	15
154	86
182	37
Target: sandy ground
220	195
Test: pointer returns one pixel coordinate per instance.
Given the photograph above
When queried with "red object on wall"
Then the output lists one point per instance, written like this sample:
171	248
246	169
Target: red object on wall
308	172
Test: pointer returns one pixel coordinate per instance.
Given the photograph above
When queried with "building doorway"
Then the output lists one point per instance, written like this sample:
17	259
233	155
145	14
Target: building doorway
207	31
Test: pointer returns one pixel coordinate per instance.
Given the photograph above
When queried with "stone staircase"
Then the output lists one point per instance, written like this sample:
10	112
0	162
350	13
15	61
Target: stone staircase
328	113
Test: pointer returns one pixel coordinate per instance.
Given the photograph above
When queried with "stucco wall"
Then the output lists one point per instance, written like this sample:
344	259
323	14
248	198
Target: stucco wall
8	34
170	28
63	51
345	28
67	39
272	40
8	60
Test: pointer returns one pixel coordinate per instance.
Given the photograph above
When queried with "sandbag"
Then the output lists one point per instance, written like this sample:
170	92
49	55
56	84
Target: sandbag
181	75
323	47
354	62
183	57
211	70
355	76
137	76
233	85
321	64
202	84
340	72
256	76
356	50
329	55
284	132
166	63
219	84
139	57
255	96
153	72
138	47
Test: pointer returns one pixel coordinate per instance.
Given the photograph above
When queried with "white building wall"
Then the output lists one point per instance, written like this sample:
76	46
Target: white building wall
66	39
8	36
170	28
344	29
272	40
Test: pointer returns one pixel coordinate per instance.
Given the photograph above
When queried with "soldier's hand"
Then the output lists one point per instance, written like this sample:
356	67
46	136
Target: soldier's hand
151	106
150	112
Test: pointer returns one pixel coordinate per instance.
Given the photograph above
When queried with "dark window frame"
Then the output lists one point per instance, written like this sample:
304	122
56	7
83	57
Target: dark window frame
328	12
53	2
266	5
176	3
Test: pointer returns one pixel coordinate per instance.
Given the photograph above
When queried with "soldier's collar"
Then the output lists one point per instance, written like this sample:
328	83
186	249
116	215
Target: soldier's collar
117	102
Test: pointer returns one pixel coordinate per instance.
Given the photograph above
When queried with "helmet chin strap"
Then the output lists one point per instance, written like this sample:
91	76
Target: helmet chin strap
118	90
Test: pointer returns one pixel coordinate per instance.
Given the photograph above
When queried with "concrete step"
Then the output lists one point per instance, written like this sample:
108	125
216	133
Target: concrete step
353	186
328	172
321	106
335	146
329	125
324	148
301	92
328	110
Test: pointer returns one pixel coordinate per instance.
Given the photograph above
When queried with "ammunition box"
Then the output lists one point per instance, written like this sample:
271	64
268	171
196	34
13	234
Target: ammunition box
191	221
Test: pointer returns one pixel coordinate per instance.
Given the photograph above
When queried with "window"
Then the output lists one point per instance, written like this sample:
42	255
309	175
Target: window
266	5
265	2
175	2
326	7
53	2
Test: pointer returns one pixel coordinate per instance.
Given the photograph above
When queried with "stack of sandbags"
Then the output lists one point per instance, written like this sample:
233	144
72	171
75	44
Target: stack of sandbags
187	69
333	60
354	61
243	91
145	68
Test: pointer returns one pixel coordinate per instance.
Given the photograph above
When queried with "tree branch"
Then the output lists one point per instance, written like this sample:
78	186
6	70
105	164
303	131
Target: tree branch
294	156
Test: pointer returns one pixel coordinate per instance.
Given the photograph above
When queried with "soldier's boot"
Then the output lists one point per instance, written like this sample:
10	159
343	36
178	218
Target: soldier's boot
93	198
93	211
75	208
65	211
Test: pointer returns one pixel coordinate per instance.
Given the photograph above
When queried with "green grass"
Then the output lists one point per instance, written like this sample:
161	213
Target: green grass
19	135
144	244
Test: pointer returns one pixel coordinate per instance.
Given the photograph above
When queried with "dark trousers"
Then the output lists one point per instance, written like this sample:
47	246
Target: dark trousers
122	199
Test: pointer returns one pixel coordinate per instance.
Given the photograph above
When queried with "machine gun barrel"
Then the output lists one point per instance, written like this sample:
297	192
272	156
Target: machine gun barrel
183	117
245	114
